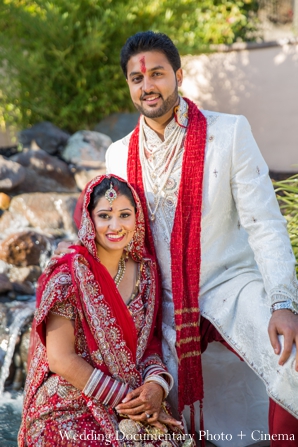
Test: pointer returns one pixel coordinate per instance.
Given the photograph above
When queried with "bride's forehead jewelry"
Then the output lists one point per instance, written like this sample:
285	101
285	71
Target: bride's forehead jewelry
111	194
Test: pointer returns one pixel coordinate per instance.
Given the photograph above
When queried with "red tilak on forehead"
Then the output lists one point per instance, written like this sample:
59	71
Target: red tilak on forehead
143	66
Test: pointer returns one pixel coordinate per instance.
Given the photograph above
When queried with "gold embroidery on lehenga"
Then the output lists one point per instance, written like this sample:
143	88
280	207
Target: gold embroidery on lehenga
56	385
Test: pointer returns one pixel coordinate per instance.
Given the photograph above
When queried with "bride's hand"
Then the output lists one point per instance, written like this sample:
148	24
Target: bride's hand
146	401
168	420
143	404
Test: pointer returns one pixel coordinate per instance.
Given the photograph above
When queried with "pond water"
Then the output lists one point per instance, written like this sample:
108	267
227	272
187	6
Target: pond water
10	418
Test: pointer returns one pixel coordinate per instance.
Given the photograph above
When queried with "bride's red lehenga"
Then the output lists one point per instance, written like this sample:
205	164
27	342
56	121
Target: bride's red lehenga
119	340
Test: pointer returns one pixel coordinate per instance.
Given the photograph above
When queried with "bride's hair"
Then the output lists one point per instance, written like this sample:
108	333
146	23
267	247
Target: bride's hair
99	191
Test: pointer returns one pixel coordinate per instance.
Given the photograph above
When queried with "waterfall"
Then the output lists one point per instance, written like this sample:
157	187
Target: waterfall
21	314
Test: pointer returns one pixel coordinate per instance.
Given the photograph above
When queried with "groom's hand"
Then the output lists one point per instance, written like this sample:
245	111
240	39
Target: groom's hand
62	247
284	322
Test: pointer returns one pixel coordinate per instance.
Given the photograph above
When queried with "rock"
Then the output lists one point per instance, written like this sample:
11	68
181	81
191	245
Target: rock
23	288
21	274
49	213
4	201
47	136
12	295
24	347
118	125
86	148
12	223
82	177
8	151
22	249
5	284
11	174
4	267
44	173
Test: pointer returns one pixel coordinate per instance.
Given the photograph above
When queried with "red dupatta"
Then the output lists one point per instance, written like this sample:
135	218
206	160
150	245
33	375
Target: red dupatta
106	289
185	250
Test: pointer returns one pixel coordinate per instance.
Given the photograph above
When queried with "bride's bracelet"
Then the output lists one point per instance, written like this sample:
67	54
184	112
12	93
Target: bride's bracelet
156	370
160	381
105	389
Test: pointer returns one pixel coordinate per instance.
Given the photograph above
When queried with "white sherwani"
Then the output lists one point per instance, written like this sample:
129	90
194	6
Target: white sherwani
246	259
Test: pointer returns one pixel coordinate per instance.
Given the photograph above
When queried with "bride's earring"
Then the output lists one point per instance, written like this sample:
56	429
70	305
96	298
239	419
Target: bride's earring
128	249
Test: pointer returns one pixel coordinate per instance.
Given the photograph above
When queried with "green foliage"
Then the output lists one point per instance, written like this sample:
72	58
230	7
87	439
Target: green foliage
287	195
59	59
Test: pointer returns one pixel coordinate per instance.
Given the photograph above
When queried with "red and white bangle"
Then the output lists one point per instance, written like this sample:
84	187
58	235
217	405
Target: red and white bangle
105	389
92	383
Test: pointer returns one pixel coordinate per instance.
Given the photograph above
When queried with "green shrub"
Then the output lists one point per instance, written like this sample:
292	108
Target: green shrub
59	59
287	195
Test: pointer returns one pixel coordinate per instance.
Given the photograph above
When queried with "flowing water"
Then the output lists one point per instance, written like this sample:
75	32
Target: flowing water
24	312
10	418
14	316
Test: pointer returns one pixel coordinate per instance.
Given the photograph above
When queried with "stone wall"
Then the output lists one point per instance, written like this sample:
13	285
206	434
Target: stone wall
258	81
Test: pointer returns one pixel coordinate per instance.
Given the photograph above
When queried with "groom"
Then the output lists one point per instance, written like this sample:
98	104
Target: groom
213	221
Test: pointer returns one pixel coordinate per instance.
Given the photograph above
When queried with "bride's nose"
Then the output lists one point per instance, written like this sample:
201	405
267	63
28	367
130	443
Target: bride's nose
115	225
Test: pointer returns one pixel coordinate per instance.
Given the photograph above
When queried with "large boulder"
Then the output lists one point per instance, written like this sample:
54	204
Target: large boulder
11	174
4	268
49	213
44	173
23	287
87	149
47	136
11	223
29	273
24	248
118	125
83	176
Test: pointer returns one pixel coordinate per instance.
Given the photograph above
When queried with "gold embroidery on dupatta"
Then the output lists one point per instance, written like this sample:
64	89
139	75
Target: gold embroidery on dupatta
148	288
57	288
114	351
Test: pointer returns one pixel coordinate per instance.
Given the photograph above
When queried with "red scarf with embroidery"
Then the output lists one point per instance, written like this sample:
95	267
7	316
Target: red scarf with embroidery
185	250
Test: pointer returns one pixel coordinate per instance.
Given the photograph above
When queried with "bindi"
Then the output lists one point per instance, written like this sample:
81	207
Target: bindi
143	65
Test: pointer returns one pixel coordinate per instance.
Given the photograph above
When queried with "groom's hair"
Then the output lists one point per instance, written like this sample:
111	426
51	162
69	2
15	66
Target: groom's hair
149	41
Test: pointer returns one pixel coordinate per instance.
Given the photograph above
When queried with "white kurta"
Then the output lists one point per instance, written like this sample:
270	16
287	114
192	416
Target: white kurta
246	259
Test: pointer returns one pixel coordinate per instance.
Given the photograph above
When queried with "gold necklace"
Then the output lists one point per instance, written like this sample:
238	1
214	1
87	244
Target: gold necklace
120	273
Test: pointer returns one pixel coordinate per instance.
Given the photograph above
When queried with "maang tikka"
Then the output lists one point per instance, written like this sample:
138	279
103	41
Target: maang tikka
111	194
